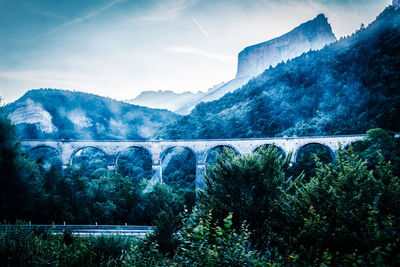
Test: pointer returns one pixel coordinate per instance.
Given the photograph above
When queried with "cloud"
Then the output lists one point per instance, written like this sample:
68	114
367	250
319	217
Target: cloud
45	76
86	17
201	28
168	10
195	51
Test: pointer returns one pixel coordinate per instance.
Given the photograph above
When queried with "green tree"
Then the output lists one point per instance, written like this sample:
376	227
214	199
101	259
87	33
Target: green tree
379	142
21	183
350	212
254	189
204	243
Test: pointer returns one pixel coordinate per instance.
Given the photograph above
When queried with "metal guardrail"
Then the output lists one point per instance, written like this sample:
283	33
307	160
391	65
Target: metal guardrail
89	230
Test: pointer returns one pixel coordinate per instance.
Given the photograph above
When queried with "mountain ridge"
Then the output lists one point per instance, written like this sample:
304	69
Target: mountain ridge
79	115
347	87
252	60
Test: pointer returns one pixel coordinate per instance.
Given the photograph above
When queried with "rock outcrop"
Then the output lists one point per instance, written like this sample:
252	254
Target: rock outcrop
312	35
30	112
253	60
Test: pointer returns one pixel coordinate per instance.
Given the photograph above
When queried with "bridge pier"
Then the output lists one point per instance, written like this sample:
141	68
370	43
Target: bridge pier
200	172
292	158
157	173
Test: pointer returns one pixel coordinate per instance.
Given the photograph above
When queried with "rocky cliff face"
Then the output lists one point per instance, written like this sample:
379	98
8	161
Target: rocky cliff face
253	60
312	94
33	113
312	35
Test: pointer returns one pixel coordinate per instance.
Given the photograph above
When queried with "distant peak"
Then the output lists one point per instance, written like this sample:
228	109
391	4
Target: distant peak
311	35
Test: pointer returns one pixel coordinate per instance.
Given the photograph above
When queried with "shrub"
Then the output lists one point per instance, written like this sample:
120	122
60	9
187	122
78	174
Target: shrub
204	243
350	212
22	246
255	189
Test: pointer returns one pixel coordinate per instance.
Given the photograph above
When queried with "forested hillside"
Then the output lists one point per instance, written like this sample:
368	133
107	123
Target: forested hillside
49	113
348	87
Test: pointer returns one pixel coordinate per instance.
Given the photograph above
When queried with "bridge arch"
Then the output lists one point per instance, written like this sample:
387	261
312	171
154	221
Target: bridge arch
133	147
178	166
82	148
170	147
135	162
298	150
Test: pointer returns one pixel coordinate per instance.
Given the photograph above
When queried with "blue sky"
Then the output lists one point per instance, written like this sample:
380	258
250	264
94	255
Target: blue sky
118	48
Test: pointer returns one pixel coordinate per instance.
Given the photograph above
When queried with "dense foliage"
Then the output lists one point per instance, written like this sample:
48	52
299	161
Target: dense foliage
40	191
24	247
135	163
307	158
20	179
76	115
179	172
249	187
348	87
253	213
348	212
380	143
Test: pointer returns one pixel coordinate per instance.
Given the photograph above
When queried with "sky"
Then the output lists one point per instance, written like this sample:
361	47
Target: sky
119	48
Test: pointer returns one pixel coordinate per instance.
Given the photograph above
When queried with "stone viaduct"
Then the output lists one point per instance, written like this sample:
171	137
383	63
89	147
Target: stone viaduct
200	148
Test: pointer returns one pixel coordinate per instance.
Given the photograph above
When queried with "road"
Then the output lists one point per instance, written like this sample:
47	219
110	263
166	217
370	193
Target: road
91	230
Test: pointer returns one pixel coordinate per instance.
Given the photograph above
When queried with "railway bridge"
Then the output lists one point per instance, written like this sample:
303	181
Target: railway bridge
67	149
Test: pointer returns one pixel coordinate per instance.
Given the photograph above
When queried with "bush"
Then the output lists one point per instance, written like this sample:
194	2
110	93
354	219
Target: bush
22	246
254	188
203	243
350	213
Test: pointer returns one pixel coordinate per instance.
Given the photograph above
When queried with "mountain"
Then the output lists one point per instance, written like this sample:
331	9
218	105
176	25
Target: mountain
253	60
180	103
166	99
312	35
50	113
163	99
187	106
347	87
